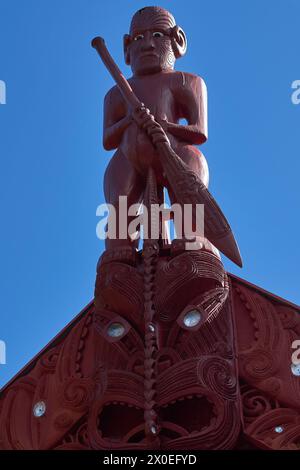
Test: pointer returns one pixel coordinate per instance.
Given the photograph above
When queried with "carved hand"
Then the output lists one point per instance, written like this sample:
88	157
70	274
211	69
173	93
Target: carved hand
154	129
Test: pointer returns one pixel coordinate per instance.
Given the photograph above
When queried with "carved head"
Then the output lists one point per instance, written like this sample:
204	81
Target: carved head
154	42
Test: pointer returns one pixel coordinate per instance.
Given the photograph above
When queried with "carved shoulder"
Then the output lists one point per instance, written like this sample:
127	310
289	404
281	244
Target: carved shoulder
113	96
190	81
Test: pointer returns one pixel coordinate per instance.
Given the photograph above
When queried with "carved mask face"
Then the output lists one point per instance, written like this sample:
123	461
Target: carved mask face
150	49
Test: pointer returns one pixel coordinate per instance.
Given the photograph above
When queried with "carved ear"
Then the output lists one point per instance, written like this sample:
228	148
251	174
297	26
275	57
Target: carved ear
126	42
179	41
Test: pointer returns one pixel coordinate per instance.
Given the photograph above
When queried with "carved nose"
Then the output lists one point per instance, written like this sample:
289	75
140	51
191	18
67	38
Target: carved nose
148	43
148	46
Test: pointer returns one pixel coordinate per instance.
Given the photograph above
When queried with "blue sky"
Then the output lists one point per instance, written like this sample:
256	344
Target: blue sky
52	162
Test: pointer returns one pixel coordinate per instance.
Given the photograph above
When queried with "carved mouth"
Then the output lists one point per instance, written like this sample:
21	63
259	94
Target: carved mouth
121	421
186	415
148	55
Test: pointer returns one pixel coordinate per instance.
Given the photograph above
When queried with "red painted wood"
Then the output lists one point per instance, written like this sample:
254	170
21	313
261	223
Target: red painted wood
83	399
223	383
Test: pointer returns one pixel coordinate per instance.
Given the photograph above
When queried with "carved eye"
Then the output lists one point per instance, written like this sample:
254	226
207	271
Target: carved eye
138	37
158	34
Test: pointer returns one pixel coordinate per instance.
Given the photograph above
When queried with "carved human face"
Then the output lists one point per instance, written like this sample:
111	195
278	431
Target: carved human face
151	51
149	48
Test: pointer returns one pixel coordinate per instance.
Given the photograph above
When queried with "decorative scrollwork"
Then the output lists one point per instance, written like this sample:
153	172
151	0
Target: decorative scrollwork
218	375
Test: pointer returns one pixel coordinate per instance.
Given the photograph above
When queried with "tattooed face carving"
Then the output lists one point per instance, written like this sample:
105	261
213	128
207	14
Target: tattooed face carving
150	46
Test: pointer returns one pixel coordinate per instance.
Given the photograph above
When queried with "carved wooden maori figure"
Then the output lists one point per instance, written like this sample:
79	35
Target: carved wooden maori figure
171	303
174	353
141	120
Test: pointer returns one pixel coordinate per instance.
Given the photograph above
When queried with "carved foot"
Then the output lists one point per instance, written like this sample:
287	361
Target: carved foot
122	254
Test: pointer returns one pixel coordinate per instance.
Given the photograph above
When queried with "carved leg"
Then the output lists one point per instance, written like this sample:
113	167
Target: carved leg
121	179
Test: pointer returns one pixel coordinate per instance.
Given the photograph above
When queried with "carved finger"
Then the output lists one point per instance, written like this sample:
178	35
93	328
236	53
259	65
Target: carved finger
155	130
147	120
142	111
156	138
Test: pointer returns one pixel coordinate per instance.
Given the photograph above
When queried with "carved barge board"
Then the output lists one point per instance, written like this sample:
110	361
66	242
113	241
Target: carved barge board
87	408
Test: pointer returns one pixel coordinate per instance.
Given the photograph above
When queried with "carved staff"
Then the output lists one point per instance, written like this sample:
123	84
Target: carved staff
185	183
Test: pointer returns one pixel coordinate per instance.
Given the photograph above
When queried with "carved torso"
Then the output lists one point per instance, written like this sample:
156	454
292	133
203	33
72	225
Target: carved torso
169	95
